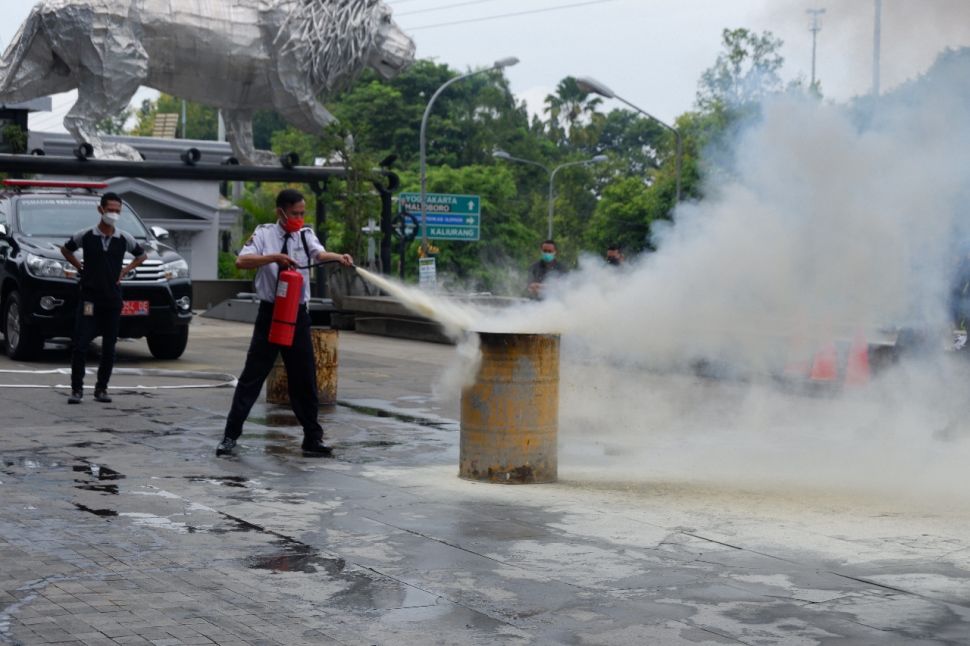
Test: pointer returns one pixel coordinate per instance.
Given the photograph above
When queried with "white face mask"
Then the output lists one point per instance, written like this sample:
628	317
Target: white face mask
110	219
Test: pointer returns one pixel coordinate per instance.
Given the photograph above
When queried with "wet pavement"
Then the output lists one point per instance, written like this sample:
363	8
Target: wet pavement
118	525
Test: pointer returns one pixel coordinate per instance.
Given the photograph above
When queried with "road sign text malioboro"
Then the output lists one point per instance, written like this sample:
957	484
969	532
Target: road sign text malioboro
449	216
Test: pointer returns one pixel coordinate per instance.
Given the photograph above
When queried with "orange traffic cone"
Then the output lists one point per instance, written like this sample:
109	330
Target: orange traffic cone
857	371
824	367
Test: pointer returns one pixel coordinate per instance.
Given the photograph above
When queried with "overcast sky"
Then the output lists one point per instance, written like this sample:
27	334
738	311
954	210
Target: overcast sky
651	52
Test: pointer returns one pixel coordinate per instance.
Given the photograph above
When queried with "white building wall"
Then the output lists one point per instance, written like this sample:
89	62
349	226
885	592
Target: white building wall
199	248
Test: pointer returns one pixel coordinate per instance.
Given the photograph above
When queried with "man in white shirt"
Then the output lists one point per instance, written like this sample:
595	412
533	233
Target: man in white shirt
287	244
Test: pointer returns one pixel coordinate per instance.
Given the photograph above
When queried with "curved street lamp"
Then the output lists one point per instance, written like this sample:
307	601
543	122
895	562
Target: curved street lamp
588	84
501	154
497	65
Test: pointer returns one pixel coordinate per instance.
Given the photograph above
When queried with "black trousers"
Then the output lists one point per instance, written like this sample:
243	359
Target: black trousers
300	374
103	321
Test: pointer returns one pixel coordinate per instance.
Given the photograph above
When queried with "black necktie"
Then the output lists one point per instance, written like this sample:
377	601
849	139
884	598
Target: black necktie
286	242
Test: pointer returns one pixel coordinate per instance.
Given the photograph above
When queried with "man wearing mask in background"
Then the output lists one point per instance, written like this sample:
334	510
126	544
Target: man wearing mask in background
542	269
614	256
99	310
285	243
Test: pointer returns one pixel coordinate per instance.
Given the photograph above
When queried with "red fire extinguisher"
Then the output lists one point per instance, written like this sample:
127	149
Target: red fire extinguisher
288	292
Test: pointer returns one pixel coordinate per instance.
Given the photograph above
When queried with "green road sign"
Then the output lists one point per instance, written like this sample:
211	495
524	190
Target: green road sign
448	216
444	232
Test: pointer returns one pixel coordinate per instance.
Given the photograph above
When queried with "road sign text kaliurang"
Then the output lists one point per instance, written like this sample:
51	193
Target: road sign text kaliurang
452	233
448	216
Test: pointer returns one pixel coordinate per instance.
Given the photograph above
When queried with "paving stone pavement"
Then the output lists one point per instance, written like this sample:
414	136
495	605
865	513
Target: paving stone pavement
119	526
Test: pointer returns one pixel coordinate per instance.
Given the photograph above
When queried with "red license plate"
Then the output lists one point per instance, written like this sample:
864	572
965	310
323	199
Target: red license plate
134	308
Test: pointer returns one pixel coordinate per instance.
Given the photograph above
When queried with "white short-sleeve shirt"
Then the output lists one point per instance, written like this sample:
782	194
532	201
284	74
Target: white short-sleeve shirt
267	239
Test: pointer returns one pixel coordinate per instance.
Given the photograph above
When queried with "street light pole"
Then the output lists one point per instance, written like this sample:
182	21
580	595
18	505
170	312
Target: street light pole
588	84
501	154
876	47
497	65
814	13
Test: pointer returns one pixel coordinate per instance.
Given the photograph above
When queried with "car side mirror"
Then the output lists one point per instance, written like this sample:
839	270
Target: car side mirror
159	232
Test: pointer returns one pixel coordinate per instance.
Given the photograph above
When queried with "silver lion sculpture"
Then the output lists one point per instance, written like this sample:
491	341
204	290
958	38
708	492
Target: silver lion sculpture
235	55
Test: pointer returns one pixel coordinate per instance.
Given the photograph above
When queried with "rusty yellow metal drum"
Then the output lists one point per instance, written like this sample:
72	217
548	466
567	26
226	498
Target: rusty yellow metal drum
510	415
325	341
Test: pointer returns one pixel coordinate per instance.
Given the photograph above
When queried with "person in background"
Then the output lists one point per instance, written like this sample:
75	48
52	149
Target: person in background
99	308
614	256
283	244
960	292
543	269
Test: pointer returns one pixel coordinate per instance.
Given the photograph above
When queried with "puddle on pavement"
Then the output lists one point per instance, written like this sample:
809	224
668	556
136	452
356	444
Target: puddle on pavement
128	432
372	443
284	449
276	419
298	558
87	445
105	488
270	435
419	421
97	471
363	590
100	473
233	524
96	512
228	524
34	462
225	481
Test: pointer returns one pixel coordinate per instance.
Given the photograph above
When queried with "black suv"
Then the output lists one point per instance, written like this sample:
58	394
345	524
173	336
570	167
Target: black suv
39	288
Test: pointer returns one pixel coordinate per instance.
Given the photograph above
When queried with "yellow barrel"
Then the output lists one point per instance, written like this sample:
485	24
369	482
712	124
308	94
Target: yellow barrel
510	415
324	342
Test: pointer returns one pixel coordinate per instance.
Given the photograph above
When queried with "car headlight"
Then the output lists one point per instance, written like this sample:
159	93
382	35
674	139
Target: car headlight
175	269
49	267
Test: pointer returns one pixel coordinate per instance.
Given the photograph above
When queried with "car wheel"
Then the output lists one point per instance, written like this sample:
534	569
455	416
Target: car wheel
22	342
169	346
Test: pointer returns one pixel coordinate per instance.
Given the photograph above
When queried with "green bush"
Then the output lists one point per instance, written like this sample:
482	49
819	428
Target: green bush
227	268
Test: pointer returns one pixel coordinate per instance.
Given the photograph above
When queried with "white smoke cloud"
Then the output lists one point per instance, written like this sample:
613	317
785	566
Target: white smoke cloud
836	223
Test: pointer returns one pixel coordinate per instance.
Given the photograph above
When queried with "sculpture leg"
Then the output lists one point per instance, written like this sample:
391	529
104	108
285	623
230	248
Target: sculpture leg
239	132
97	99
107	76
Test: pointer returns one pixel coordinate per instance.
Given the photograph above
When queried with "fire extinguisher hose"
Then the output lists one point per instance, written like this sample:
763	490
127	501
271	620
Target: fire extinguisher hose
318	264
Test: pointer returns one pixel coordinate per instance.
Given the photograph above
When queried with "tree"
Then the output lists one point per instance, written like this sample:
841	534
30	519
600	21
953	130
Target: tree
745	72
569	109
201	121
636	139
623	216
115	125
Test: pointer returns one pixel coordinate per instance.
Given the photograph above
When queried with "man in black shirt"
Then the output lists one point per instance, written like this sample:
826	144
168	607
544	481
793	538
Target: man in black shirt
542	269
99	309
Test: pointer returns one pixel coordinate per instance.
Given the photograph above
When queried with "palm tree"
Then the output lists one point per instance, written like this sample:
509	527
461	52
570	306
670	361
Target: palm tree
568	109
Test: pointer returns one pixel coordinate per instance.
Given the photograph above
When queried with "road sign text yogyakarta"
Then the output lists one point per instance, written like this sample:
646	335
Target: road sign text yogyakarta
448	216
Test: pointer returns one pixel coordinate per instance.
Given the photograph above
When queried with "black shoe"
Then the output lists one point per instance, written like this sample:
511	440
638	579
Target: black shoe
317	450
225	446
101	396
76	397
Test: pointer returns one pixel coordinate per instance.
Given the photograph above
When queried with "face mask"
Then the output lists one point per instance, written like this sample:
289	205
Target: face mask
110	219
548	256
292	225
